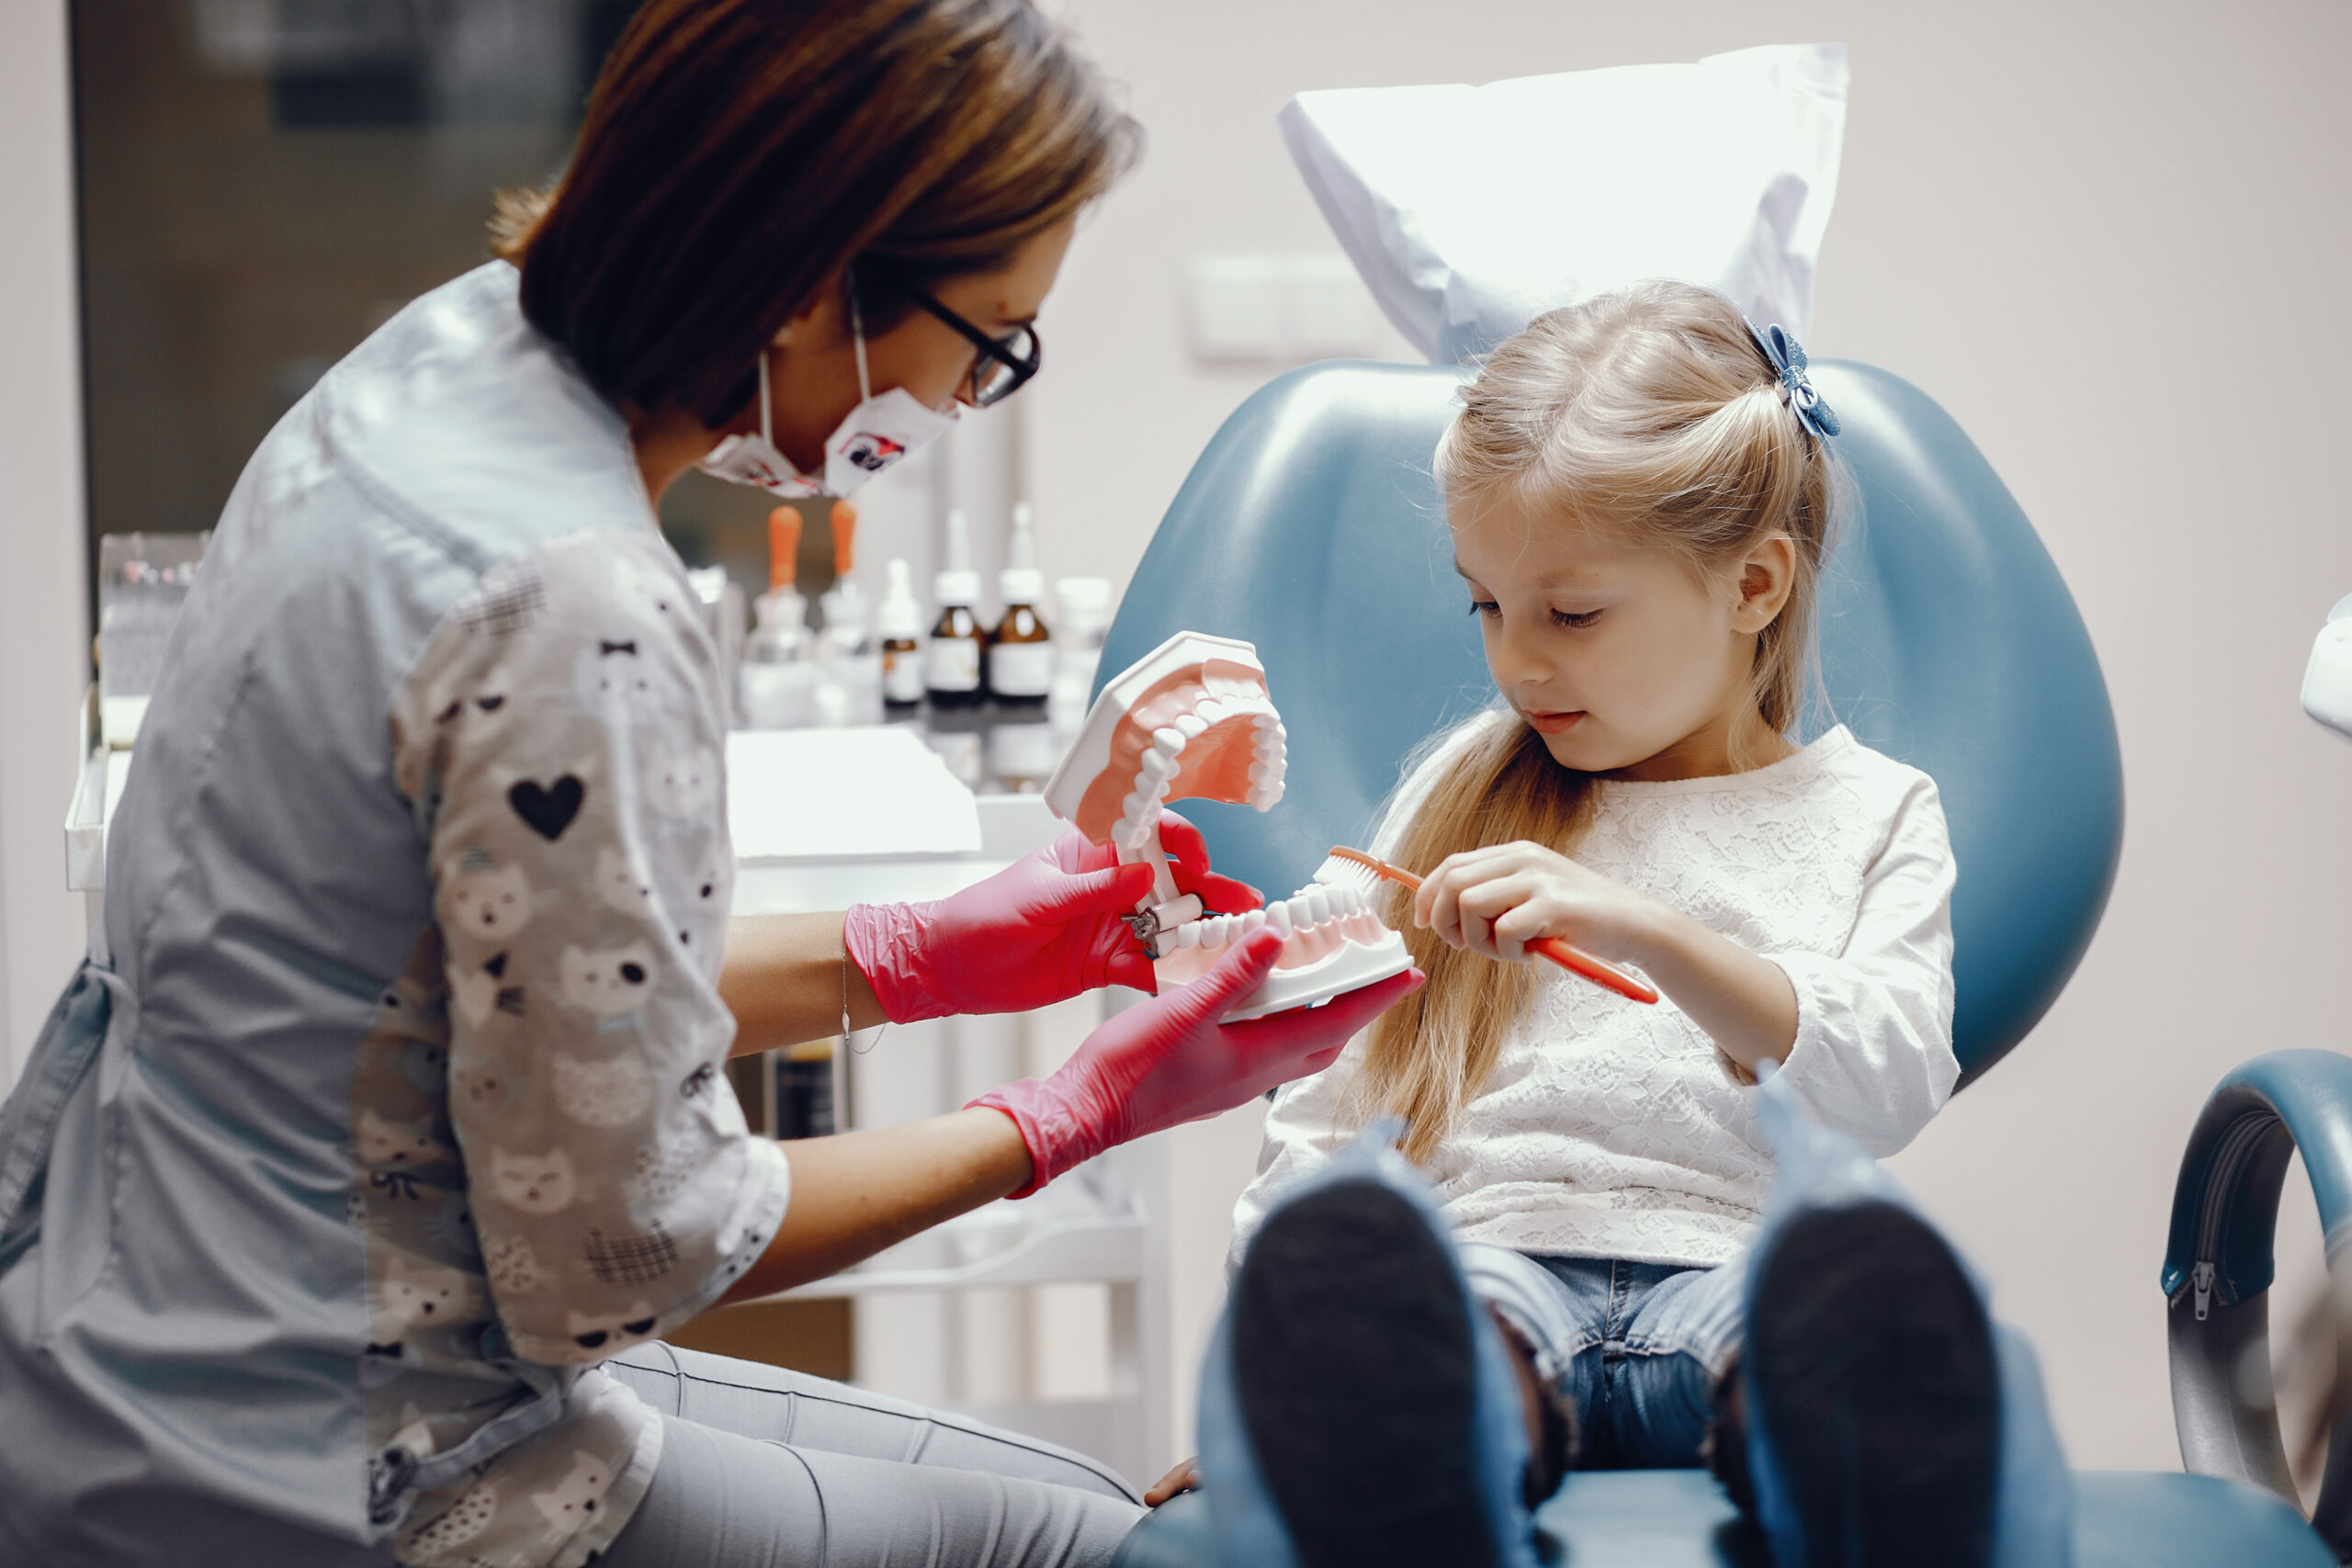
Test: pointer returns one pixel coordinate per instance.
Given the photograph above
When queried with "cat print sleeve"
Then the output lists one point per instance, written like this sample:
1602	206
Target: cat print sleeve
562	741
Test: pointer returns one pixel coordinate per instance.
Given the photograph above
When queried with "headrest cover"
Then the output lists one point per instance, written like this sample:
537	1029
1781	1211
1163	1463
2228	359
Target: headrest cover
1472	210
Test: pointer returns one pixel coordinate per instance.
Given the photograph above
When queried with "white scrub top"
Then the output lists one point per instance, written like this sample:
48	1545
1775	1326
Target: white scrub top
389	1102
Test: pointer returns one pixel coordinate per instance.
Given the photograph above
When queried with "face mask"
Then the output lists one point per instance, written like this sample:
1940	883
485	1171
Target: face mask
879	432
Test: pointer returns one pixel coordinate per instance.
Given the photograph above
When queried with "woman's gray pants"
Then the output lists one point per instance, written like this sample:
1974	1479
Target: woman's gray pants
764	1468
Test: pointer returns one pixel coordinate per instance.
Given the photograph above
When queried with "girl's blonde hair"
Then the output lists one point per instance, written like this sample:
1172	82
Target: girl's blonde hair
1651	412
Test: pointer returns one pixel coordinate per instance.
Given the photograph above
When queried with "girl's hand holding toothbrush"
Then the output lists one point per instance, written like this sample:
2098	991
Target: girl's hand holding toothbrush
1495	900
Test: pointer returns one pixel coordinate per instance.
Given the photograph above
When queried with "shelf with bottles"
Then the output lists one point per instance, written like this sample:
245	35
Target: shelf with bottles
143	579
806	666
999	705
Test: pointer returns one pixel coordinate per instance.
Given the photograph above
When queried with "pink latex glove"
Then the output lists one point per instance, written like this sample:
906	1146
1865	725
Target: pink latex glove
1039	931
1170	1060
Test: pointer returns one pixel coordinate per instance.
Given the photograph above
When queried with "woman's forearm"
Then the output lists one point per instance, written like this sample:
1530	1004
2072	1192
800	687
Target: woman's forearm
855	1194
1744	1001
785	980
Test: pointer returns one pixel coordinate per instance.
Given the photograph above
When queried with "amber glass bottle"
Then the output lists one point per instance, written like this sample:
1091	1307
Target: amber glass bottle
1021	651
951	654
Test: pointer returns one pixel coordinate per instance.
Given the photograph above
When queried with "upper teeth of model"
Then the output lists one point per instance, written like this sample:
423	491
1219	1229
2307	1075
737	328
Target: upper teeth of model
1157	770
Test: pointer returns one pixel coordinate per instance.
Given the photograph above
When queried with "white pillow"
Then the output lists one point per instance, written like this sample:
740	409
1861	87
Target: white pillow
1472	210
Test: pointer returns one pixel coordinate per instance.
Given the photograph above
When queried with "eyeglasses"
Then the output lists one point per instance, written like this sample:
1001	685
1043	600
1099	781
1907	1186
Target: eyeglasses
1003	364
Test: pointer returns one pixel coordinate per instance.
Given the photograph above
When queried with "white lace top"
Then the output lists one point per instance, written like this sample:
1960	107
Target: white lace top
1609	1129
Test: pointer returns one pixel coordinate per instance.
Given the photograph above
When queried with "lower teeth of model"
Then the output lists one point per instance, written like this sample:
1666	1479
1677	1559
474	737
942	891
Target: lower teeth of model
1311	908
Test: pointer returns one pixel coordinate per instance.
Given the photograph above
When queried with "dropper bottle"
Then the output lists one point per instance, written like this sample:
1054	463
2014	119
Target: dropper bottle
776	680
951	655
899	623
854	693
1021	651
845	607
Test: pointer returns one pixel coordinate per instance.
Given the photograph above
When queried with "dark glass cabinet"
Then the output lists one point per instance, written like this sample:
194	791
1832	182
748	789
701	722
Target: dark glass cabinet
263	182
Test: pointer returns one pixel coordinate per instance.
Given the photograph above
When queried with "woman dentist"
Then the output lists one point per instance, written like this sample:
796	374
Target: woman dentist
361	1168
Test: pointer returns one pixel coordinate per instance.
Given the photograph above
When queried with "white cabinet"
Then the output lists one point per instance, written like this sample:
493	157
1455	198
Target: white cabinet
968	1315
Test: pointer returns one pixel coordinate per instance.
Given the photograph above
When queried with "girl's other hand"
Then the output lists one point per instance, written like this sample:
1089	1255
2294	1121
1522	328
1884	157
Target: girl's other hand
1185	1477
1496	900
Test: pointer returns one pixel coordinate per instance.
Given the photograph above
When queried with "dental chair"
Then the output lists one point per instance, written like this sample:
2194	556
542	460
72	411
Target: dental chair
1312	527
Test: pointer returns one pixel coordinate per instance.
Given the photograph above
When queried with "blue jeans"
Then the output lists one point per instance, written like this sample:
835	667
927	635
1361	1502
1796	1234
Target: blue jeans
1634	1347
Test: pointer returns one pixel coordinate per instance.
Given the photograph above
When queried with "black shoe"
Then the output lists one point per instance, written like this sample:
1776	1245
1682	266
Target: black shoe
1873	1384
1550	1413
1354	1345
1725	1446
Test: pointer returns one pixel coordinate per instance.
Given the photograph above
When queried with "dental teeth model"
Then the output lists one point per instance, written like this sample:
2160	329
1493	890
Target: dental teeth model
1192	720
1332	943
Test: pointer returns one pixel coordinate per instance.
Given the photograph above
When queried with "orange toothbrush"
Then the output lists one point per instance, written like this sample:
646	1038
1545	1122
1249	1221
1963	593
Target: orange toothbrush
1576	960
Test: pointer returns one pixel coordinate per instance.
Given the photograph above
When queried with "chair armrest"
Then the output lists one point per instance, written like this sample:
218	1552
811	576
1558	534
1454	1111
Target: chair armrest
2218	1266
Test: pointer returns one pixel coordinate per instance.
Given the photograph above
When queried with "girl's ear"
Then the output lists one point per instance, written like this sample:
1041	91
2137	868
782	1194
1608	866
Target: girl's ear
1766	575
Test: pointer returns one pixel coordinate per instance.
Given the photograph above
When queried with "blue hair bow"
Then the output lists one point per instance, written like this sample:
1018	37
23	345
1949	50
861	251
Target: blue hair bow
1787	358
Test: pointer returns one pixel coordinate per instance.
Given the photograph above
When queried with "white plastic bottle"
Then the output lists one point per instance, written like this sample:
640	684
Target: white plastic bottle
899	625
851	690
777	682
951	654
1085	606
1021	651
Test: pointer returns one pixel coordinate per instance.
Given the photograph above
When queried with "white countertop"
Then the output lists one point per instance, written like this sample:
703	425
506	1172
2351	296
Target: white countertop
1009	826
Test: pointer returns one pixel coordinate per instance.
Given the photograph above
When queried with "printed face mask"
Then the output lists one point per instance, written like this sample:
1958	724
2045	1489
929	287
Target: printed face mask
879	432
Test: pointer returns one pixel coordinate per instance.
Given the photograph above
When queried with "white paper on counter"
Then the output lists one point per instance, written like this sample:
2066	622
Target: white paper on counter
1472	210
870	791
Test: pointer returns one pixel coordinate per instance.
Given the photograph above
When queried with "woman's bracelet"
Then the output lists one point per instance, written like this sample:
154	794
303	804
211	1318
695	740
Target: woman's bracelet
848	1037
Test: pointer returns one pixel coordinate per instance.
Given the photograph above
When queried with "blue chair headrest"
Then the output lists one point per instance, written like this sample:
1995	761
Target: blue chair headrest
1312	527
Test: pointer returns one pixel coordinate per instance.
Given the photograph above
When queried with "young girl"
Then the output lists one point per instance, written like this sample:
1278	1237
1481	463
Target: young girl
1640	497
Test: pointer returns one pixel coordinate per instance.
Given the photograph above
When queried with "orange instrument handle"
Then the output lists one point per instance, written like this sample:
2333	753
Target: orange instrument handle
1574	959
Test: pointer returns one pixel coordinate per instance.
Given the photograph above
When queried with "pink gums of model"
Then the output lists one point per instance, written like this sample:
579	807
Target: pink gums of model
1193	720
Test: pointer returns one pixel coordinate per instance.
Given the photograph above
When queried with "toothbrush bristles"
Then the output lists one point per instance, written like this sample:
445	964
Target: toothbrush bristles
1353	868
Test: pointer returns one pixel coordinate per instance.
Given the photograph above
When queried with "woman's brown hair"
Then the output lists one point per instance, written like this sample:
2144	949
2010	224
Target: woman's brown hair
1652	413
739	155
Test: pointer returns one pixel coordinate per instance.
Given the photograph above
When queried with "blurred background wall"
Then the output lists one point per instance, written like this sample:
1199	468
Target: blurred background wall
2107	238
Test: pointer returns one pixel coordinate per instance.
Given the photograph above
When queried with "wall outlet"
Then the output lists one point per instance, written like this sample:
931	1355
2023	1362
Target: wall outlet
1281	309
